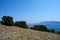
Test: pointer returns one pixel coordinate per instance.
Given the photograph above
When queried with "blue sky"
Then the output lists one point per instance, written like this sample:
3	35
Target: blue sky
32	11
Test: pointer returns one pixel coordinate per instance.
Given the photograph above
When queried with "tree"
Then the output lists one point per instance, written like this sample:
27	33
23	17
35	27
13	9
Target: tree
7	20
21	24
40	28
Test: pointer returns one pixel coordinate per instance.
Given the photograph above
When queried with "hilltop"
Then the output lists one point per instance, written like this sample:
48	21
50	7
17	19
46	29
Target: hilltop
17	33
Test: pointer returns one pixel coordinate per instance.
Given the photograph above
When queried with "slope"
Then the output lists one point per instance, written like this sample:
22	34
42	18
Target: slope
16	33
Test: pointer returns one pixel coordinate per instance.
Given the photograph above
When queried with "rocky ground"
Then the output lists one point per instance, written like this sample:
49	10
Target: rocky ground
16	33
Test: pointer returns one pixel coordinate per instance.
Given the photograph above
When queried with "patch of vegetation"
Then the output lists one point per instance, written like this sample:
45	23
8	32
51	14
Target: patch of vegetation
40	27
7	20
22	24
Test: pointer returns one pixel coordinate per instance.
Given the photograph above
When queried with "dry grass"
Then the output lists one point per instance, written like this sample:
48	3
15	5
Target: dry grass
16	33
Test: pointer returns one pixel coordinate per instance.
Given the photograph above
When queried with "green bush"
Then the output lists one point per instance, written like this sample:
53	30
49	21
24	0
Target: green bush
21	24
40	28
7	20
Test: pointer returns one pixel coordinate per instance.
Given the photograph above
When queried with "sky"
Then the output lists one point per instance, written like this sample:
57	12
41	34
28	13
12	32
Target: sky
31	11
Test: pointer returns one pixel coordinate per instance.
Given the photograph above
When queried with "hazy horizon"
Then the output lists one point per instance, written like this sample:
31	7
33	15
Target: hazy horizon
32	11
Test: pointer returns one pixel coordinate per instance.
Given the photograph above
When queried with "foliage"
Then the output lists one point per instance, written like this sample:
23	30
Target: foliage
7	20
21	24
40	28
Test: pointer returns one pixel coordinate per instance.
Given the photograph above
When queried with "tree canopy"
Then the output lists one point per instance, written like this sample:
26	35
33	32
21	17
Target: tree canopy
7	20
40	28
22	24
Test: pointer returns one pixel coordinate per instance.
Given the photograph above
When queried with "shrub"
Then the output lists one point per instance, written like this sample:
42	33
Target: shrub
7	20
21	24
40	28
